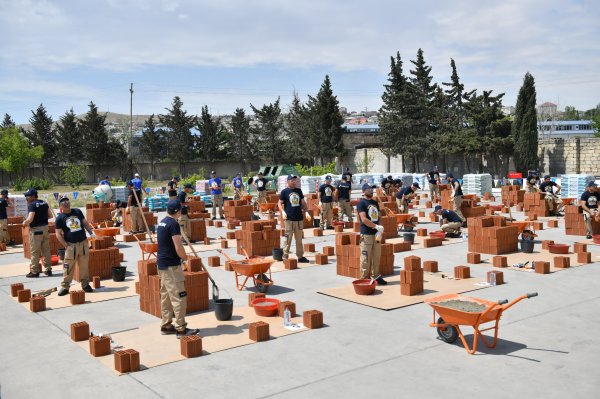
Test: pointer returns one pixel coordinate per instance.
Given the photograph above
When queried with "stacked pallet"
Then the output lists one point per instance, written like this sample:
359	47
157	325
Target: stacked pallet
54	244
411	278
534	204
478	184
239	210
150	217
492	235
95	214
575	223
347	250
572	186
257	238
512	195
196	287
157	202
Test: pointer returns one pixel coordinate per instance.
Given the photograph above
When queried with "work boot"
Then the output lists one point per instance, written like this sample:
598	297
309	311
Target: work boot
48	272
588	236
187	331
32	275
330	228
380	281
87	288
214	218
168	330
303	260
63	292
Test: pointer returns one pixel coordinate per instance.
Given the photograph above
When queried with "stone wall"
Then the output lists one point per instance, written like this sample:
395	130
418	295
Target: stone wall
568	156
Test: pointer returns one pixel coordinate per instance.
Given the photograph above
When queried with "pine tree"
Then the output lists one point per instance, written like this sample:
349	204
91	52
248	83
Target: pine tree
97	147
327	121
213	137
268	133
179	139
7	122
524	128
297	124
152	143
241	147
70	140
41	133
456	96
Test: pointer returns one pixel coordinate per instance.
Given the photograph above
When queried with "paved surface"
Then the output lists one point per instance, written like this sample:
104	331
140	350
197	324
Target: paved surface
548	345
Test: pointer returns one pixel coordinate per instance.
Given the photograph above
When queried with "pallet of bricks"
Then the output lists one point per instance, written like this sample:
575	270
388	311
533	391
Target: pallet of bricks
103	257
196	287
150	217
534	204
258	238
492	235
512	195
96	214
196	208
347	251
238	209
469	206
54	244
15	227
575	223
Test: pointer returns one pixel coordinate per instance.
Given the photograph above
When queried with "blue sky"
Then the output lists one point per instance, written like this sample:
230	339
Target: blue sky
64	53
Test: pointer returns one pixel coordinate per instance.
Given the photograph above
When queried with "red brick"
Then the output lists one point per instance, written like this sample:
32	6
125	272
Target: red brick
259	331
286	304
24	295
206	241
546	244
309	247
317	232
500	261
99	346
401	247
80	331
579	247
552	223
224	244
37	303
412	263
499	276
290	263
421	232
473	258
329	251
312	319
191	346
15	288
541	267
432	242
134	360
254	295
321	259
194	264
77	297
430	266
338	228
562	262
584	257
122	362
214	261
462	272
231	235
96	281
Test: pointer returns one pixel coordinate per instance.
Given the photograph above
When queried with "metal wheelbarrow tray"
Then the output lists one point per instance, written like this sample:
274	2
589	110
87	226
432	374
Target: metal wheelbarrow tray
450	318
255	268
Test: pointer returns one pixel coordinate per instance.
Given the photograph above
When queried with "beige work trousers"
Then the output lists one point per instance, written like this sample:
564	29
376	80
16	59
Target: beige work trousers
293	229
39	244
137	219
433	192
4	236
184	223
262	197
76	255
456	203
217	201
370	256
345	209
588	221
402	205
326	214
173	297
237	194
452	227
554	203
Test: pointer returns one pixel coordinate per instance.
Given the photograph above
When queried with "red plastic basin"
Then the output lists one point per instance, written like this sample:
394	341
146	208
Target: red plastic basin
265	307
364	286
558	248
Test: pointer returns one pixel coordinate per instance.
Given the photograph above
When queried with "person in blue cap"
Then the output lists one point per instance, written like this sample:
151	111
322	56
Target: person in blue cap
589	201
552	198
172	187
184	220
343	190
5	203
261	188
170	254
293	208
326	204
216	192
38	213
405	195
450	222
387	184
105	181
134	200
457	195
370	246
237	185
137	181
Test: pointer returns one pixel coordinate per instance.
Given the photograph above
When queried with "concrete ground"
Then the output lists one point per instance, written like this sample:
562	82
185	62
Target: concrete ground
547	345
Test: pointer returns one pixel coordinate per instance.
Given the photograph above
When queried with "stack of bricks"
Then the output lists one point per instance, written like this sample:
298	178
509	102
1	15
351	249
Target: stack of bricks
347	250
101	261
392	206
258	238
94	213
196	209
54	244
390	227
534	204
150	217
411	278
196	287
14	228
239	209
469	206
575	223
512	195
491	235
198	227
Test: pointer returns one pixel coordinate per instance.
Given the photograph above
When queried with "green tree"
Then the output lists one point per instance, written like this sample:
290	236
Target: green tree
70	141
7	122
15	151
152	144
42	134
241	148
213	136
297	125
179	139
74	175
570	114
524	128
98	149
456	97
268	133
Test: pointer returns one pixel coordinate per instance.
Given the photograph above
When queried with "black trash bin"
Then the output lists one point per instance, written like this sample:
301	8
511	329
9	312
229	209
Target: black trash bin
409	237
527	246
118	273
277	254
223	309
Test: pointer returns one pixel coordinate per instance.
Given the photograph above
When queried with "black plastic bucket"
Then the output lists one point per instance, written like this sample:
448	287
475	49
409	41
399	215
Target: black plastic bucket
223	309
316	222
118	273
277	254
61	253
408	228
527	246
409	237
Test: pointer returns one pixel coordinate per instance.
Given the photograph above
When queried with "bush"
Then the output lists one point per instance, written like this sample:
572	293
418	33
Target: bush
74	175
34	182
315	170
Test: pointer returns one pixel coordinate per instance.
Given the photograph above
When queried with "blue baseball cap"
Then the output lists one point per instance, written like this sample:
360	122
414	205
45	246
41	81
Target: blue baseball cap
437	208
173	205
31	192
292	177
592	184
367	187
547	177
450	175
327	178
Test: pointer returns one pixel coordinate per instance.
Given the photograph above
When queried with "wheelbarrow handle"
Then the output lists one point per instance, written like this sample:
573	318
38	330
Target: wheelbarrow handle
532	294
502	301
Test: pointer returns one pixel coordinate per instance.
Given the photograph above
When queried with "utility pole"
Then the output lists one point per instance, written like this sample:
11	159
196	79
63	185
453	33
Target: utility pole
130	120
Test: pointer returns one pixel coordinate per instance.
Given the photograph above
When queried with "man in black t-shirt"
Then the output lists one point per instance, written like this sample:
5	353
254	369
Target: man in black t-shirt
172	188
116	215
370	232
589	203
261	188
70	232
135	211
531	184
457	195
405	195
450	222
326	203
293	208
343	196
5	202
173	296
387	184
433	178
184	220
38	214
555	205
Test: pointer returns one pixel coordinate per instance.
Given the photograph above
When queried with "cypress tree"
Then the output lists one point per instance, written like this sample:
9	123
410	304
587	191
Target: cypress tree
212	139
179	139
298	128
98	148
70	139
268	133
152	143
524	128
241	147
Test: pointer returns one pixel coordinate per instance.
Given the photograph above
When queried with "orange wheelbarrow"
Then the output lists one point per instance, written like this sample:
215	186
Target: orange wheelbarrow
149	249
457	310
257	268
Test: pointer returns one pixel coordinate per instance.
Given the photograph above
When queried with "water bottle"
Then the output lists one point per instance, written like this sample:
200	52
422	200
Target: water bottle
492	279
287	317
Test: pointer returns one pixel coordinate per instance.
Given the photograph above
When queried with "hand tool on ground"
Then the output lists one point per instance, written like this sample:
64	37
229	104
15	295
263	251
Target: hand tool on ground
44	292
143	216
521	265
215	289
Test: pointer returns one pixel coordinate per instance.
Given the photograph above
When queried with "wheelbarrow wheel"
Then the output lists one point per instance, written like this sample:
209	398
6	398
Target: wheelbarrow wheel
447	334
262	283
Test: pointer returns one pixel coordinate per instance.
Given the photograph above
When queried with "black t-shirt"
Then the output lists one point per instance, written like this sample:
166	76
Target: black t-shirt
371	209
326	191
3	206
166	254
40	208
458	189
405	191
172	188
181	197
138	193
386	183
433	176
451	216
261	184
591	199
546	187
531	179
344	191
72	225
292	203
